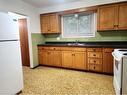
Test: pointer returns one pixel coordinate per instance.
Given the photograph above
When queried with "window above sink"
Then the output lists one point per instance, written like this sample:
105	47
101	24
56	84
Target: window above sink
79	25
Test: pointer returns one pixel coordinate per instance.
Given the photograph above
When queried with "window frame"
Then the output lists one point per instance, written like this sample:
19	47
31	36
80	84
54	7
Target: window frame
94	28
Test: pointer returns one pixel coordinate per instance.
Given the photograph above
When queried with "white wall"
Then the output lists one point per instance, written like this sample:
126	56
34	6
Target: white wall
20	7
73	5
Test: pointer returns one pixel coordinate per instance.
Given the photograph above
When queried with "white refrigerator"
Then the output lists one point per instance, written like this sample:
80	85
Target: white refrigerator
11	75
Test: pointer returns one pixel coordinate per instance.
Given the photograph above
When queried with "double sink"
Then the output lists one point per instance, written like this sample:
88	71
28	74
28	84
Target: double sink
75	44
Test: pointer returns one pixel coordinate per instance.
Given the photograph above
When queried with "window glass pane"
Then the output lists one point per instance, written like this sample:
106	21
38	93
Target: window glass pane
69	25
84	24
79	25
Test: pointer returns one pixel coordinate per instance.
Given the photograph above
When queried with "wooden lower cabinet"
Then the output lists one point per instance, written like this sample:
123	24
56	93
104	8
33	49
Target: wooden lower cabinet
91	59
79	60
43	57
74	59
46	57
94	57
50	57
57	58
67	60
107	60
95	67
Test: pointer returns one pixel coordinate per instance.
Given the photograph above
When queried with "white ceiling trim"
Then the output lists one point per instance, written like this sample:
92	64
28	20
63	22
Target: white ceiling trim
74	5
47	3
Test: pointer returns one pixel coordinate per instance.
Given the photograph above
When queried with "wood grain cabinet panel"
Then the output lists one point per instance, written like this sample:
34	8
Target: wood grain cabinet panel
73	57
57	58
50	23
95	54
67	60
97	68
106	17
94	59
112	17
91	59
107	60
122	16
49	56
79	60
43	57
45	24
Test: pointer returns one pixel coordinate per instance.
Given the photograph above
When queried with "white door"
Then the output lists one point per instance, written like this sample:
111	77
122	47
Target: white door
9	29
11	78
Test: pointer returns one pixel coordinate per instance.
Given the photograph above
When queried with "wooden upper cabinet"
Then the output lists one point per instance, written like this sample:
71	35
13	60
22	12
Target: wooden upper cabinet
106	17
122	22
54	23
50	23
112	17
45	24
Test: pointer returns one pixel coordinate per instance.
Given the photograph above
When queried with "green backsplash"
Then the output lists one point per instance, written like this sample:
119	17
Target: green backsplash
99	36
38	38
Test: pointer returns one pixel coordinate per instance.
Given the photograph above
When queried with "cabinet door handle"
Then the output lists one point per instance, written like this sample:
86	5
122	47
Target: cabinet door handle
94	67
116	25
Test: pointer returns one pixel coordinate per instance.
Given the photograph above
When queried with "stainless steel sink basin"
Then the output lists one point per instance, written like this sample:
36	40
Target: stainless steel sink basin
75	44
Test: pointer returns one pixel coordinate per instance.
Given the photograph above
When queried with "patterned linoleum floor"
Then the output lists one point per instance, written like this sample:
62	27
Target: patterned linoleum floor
56	81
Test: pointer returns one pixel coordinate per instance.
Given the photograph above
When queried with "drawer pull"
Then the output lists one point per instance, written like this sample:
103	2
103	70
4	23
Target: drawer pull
94	55
94	61
94	67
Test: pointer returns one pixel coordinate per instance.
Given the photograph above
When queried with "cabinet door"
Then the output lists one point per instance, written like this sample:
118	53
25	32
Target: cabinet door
122	8
43	57
108	61
79	60
45	24
67	59
50	58
57	56
106	17
54	23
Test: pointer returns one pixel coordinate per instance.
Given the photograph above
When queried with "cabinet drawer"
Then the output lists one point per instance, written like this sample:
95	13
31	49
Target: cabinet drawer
67	48
95	54
79	49
108	50
94	49
97	67
54	48
43	48
94	61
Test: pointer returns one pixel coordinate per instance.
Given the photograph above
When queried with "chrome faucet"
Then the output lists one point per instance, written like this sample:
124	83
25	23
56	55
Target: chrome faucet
76	41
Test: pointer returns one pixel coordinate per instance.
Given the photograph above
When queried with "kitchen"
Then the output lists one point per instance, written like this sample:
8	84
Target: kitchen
92	50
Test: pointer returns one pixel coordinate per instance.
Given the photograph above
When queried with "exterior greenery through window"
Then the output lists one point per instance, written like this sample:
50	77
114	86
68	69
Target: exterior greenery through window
79	25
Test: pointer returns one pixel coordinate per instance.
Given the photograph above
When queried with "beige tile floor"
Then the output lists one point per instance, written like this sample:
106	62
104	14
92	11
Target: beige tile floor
56	81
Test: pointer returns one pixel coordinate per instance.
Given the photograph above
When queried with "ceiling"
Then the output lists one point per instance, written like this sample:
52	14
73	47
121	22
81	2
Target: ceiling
47	3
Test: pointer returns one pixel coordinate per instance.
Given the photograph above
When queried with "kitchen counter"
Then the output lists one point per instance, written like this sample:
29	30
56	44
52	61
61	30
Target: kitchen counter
87	44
